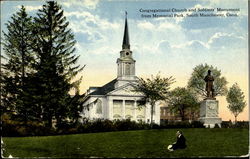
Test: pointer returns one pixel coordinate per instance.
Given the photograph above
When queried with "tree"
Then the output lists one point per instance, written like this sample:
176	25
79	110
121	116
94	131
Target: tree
181	100
19	58
75	104
235	98
197	83
154	89
56	62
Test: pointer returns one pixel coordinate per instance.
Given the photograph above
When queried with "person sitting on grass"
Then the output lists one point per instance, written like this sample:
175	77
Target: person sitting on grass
179	144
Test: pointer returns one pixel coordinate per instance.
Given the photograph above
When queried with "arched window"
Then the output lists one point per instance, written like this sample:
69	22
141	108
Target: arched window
140	118
99	106
117	117
128	117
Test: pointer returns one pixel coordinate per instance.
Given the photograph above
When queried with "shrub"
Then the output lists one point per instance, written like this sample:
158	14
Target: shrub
216	126
122	125
197	124
182	124
155	126
239	124
226	124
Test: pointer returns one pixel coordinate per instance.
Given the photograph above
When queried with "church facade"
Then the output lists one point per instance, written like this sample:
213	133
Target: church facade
117	99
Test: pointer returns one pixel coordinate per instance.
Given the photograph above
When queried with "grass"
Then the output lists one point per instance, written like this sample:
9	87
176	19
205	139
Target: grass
142	143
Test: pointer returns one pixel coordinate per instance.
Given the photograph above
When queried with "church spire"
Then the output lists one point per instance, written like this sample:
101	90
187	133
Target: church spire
125	43
125	63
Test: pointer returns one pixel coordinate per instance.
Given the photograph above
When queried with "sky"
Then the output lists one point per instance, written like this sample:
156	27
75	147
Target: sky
171	46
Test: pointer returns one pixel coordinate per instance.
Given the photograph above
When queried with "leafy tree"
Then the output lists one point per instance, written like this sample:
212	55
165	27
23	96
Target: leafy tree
235	98
19	58
56	64
154	89
197	82
183	100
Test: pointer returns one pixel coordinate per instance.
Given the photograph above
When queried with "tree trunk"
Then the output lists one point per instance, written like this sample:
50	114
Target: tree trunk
235	121
152	113
182	114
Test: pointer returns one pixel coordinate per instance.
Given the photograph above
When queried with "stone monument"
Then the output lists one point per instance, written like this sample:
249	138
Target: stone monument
209	106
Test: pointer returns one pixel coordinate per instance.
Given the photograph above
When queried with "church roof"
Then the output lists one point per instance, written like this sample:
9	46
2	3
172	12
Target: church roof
105	89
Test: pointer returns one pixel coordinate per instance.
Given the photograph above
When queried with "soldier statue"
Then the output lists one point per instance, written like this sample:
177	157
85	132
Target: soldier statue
209	85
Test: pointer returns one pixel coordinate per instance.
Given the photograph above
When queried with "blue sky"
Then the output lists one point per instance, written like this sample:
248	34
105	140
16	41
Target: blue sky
171	46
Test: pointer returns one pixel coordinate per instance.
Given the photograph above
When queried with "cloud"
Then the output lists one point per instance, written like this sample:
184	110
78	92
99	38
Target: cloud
105	50
164	47
221	40
96	33
87	19
89	4
30	8
168	25
145	25
194	44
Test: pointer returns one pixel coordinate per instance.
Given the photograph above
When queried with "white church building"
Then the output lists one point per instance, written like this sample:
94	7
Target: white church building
117	99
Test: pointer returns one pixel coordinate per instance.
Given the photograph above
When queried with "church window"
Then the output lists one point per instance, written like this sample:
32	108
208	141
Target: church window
127	53
129	104
140	118
117	107
99	106
117	117
128	117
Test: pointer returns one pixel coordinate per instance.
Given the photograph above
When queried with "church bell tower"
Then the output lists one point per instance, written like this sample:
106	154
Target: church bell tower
126	63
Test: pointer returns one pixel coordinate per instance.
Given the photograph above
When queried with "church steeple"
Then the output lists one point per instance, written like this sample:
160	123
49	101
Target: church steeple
125	63
125	43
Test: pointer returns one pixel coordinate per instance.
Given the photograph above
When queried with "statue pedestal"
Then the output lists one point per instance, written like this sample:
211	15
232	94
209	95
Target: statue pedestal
209	113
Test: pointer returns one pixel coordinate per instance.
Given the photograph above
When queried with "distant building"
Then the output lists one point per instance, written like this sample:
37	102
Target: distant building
116	99
169	116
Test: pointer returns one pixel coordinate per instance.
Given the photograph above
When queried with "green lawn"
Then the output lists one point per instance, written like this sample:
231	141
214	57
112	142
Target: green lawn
143	143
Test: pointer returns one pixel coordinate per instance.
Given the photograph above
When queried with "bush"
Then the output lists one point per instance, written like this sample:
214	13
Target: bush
226	124
122	125
108	125
182	124
197	124
155	126
16	128
31	129
100	126
216	126
239	124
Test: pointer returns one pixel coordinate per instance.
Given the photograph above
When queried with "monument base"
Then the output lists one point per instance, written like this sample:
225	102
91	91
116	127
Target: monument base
210	122
209	113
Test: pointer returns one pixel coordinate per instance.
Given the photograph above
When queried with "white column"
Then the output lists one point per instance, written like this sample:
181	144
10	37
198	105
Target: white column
123	109
110	108
135	106
148	112
118	67
122	68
